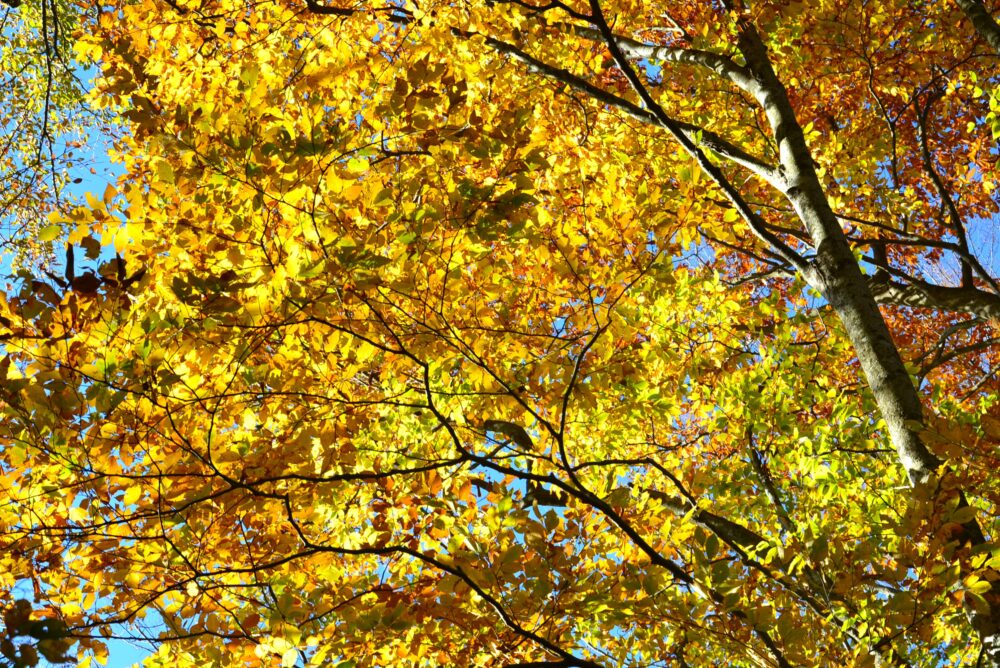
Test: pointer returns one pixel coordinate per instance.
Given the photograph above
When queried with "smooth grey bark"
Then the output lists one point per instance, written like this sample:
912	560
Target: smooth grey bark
837	275
835	271
970	300
984	24
917	294
987	624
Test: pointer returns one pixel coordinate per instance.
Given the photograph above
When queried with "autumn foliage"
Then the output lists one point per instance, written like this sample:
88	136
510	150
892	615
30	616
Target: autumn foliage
507	333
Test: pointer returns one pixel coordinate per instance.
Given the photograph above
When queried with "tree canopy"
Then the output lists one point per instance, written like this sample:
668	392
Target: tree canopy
512	333
44	125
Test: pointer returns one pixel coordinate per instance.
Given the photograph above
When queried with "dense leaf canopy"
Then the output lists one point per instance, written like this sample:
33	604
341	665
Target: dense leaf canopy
44	123
502	333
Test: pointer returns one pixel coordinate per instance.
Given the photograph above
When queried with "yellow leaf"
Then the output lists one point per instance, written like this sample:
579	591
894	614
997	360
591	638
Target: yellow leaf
93	202
120	239
49	232
132	495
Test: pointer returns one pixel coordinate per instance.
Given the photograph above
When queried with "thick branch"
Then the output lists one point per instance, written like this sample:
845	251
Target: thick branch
753	219
837	273
978	302
721	65
984	24
847	290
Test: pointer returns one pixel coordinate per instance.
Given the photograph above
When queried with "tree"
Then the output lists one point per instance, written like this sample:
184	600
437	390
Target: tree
44	123
44	120
523	334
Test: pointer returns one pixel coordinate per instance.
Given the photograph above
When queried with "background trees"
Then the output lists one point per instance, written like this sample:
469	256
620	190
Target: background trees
514	334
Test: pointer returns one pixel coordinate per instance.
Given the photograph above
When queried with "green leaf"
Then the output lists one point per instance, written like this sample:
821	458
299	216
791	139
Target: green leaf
50	232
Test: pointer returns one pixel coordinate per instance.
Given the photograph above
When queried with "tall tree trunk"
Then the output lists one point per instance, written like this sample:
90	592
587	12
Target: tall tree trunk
982	22
837	275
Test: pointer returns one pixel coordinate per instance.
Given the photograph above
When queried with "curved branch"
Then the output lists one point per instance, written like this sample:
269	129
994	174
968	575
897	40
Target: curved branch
919	294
